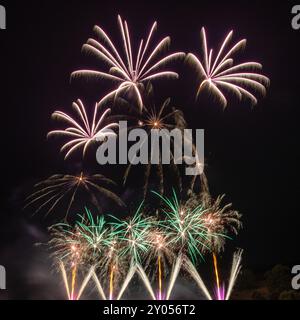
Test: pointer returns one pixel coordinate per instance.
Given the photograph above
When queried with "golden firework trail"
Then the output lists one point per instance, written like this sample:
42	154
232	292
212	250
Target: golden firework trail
159	278
217	275
73	283
111	282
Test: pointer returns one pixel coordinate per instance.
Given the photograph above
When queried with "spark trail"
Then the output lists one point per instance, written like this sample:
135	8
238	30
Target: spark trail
217	276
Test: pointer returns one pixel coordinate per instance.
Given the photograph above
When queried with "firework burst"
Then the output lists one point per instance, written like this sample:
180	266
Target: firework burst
58	188
219	220
134	233
184	226
68	250
66	244
218	72
95	237
161	254
101	248
130	71
129	245
83	132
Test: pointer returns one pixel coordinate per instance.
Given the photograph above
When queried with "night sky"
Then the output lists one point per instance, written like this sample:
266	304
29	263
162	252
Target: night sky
252	154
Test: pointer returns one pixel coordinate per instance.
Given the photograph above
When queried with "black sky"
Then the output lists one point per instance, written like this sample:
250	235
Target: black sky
252	154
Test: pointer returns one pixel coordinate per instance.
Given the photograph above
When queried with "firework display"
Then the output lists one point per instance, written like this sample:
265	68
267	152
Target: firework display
114	251
186	229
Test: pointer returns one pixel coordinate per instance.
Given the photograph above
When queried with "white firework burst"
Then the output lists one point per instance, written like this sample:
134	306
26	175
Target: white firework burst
83	132
218	72
128	70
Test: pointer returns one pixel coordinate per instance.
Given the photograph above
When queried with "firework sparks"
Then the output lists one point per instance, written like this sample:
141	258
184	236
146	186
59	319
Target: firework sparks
85	282
134	234
71	289
75	246
159	278
146	281
111	282
220	220
74	276
160	253
130	274
120	248
69	252
114	264
174	274
132	72
82	133
94	237
190	268
184	226
133	269
217	276
221	292
103	248
50	192
65	279
66	244
218	72
111	253
235	270
99	286
154	118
